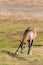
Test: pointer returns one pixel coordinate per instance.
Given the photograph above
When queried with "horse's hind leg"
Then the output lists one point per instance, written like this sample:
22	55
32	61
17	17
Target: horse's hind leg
30	42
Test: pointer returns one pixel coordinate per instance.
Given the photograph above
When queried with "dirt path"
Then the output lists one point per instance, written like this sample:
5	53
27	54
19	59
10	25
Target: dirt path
15	10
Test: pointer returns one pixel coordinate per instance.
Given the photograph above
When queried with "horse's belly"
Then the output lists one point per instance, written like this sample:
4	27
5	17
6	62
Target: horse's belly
31	35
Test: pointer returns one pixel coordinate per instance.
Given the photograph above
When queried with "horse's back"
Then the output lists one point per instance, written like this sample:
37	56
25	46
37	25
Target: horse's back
30	33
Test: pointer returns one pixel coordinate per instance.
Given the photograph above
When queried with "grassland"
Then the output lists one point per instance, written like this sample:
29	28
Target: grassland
11	33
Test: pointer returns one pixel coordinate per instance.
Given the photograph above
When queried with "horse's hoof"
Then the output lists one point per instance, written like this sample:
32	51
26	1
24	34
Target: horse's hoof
15	53
30	53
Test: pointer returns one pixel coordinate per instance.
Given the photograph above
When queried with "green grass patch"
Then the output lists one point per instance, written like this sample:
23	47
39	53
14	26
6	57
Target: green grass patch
11	32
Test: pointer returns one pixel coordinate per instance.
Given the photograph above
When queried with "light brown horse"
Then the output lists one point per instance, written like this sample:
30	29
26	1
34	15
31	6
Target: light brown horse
29	35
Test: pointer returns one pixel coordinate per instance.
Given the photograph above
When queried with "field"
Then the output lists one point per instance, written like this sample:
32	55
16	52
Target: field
11	33
21	9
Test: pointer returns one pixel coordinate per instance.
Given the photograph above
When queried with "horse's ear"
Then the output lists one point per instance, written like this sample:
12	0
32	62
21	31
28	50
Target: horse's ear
19	40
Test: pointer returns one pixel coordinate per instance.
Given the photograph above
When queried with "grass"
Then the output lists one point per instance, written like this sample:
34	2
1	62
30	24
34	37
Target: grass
11	33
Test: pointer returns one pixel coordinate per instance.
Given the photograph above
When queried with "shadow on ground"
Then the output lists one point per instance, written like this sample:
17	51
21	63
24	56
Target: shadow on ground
38	45
13	55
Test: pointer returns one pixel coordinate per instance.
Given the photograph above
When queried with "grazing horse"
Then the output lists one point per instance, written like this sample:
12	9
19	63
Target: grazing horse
29	35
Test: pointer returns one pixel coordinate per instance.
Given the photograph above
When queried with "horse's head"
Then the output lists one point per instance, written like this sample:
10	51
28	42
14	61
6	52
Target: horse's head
22	45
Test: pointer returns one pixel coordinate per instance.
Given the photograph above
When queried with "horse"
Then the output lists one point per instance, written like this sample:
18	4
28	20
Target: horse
29	35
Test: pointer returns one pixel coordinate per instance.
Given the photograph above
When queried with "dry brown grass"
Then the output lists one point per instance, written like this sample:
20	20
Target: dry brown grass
21	9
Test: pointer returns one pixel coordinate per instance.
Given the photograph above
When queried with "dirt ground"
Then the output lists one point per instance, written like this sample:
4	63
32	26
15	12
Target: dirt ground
21	10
